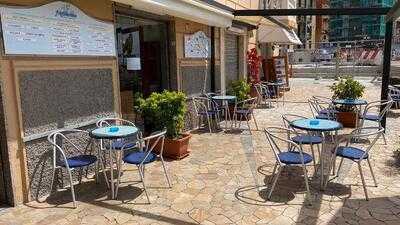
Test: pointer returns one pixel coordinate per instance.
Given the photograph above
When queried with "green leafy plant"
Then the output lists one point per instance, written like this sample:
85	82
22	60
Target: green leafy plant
347	88
164	110
240	89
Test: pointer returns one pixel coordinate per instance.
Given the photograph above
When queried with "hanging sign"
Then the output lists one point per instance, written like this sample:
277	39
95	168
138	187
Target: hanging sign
197	45
57	28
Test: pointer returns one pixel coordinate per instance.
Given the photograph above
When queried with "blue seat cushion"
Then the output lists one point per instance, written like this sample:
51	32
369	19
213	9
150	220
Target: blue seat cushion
79	161
372	117
293	157
137	157
120	143
351	153
243	111
307	139
323	117
328	111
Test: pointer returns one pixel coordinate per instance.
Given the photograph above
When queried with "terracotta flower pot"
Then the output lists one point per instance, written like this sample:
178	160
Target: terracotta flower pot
347	119
175	148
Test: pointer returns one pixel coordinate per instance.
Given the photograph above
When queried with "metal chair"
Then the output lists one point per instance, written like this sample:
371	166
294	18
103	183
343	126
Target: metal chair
355	152
263	95
322	108
293	156
206	109
245	110
119	144
146	155
63	160
378	115
301	137
394	95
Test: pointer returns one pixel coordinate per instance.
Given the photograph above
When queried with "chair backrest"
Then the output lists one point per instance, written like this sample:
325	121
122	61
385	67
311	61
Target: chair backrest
201	104
370	133
317	105
249	104
288	118
275	135
105	122
381	107
147	144
394	93
56	139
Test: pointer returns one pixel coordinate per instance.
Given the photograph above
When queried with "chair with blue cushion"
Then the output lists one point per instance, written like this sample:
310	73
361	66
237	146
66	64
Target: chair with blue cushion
63	159
244	110
206	109
146	155
375	111
301	137
394	95
322	108
264	95
292	156
348	148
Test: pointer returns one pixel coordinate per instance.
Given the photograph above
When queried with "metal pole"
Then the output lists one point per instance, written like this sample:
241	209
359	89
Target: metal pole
387	54
212	59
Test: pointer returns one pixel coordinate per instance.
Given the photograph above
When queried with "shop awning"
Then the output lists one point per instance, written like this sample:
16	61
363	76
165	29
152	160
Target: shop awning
279	35
192	10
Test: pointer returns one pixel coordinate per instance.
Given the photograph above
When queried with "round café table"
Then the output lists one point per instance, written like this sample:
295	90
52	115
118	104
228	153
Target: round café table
225	99
113	133
357	103
323	127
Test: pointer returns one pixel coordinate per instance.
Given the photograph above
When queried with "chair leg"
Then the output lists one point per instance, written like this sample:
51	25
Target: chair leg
273	173
103	168
96	175
313	155
306	180
72	188
165	172
384	138
248	123
372	173
340	166
144	185
255	121
209	124
52	180
119	166
274	182
363	180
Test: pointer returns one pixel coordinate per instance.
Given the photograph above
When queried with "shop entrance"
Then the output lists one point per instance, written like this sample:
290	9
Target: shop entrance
142	56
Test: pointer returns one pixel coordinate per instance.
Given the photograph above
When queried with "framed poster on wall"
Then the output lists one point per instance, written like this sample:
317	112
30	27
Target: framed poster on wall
197	45
55	29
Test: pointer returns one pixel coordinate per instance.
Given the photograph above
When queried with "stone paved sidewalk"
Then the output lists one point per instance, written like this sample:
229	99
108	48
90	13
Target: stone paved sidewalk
223	182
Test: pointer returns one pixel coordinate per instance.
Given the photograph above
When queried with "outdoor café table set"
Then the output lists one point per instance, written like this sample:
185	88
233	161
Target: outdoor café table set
328	129
119	139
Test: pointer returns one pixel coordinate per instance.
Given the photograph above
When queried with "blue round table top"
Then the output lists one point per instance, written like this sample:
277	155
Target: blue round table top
113	132
349	101
224	97
316	125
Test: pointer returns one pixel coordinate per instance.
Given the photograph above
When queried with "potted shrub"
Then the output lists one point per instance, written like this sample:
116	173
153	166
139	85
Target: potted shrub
166	110
240	89
349	89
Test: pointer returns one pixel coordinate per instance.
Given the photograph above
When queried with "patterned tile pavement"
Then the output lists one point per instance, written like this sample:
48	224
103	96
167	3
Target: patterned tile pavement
224	179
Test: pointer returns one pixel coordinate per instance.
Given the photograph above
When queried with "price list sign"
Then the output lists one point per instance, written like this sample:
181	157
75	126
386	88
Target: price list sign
58	28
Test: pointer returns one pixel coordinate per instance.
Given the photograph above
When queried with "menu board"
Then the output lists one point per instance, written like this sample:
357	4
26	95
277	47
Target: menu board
57	28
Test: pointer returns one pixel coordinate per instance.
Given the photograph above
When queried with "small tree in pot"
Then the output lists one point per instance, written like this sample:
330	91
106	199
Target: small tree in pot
166	110
349	89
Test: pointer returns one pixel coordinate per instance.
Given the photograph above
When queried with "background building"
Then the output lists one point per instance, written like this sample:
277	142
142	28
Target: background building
351	28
